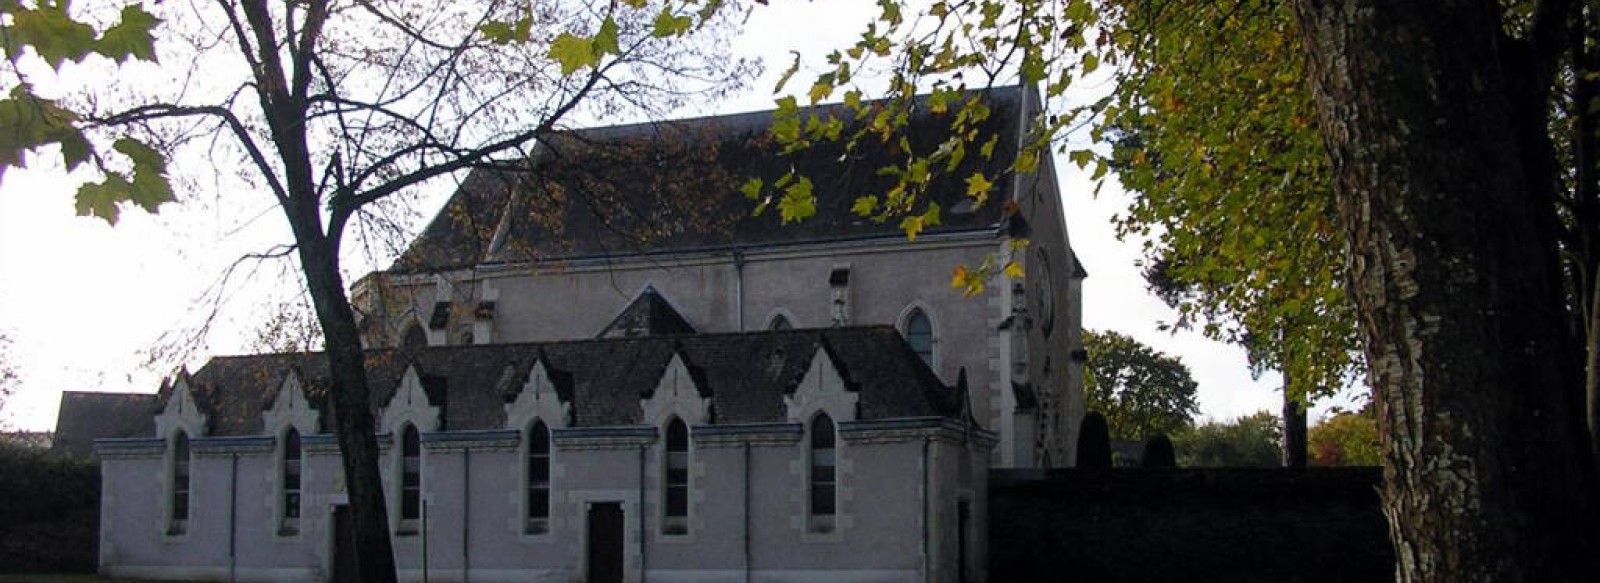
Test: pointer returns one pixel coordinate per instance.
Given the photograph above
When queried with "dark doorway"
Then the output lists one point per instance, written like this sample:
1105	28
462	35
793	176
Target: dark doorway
345	567
605	542
963	523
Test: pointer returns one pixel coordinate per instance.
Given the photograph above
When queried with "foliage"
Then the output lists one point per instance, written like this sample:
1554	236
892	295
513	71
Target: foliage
1251	441
1142	393
51	512
8	371
1159	453
1346	439
1211	122
1094	442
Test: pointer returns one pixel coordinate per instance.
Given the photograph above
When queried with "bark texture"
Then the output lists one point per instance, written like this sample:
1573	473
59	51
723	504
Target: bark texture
1487	473
1295	443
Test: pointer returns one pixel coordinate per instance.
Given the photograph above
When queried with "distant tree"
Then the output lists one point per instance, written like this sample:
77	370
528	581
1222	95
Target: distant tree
1141	392
1158	453
8	371
1094	442
1346	439
1249	441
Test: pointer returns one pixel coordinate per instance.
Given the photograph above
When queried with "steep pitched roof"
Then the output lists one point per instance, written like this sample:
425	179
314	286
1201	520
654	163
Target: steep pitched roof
746	374
674	186
647	315
85	417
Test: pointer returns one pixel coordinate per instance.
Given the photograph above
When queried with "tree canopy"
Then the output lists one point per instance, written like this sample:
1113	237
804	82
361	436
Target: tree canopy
1460	149
1346	438
1141	392
1250	441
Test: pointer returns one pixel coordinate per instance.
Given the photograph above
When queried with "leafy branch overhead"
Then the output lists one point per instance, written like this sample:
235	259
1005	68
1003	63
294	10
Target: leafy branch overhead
333	112
1206	131
133	172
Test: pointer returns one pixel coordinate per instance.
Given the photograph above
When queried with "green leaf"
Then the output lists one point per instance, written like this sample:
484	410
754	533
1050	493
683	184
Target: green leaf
131	37
1081	157
54	35
798	202
865	206
752	188
979	186
573	52
30	122
605	41
99	199
787	73
668	24
503	33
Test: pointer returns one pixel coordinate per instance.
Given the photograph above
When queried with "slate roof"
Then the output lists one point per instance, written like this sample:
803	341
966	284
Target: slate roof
746	375
674	186
85	417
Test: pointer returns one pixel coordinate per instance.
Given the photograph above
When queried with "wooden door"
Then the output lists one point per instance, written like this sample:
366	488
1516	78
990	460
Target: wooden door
605	542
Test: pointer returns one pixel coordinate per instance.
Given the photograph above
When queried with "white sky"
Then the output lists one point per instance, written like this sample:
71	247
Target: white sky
83	301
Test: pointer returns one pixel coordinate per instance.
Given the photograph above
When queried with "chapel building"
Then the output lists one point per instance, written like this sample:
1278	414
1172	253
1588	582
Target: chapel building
604	367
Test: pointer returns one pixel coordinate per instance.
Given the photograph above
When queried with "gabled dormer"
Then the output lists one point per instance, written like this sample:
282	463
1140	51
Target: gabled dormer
649	314
290	407
410	404
822	388
182	410
678	394
538	398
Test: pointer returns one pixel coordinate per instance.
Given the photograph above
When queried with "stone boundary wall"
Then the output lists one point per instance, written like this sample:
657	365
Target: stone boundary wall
1188	525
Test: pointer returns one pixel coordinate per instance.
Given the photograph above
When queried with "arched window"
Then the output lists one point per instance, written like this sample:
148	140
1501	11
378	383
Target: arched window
289	480
919	334
676	486
415	338
824	479
180	484
538	478
780	322
410	477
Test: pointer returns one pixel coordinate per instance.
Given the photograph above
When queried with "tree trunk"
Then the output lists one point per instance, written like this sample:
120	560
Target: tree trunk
1487	475
356	430
1294	427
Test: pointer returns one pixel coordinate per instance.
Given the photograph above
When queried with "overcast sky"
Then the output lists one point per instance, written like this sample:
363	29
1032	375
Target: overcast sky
84	302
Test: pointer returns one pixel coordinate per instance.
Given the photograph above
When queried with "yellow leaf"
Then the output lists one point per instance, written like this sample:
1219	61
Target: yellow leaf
1014	270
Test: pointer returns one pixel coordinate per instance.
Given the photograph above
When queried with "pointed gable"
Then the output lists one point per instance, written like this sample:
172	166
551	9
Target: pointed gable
182	410
648	315
538	399
823	388
290	407
677	393
410	404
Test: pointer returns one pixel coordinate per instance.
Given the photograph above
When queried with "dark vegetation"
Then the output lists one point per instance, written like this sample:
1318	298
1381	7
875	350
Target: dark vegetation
49	512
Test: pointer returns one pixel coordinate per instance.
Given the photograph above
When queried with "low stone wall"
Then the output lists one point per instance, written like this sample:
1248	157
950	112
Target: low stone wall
1188	526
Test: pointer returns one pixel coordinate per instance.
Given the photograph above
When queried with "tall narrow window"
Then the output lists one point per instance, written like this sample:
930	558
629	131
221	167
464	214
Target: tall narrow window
919	334
415	338
290	480
676	519
410	477
824	480
180	484
538	479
